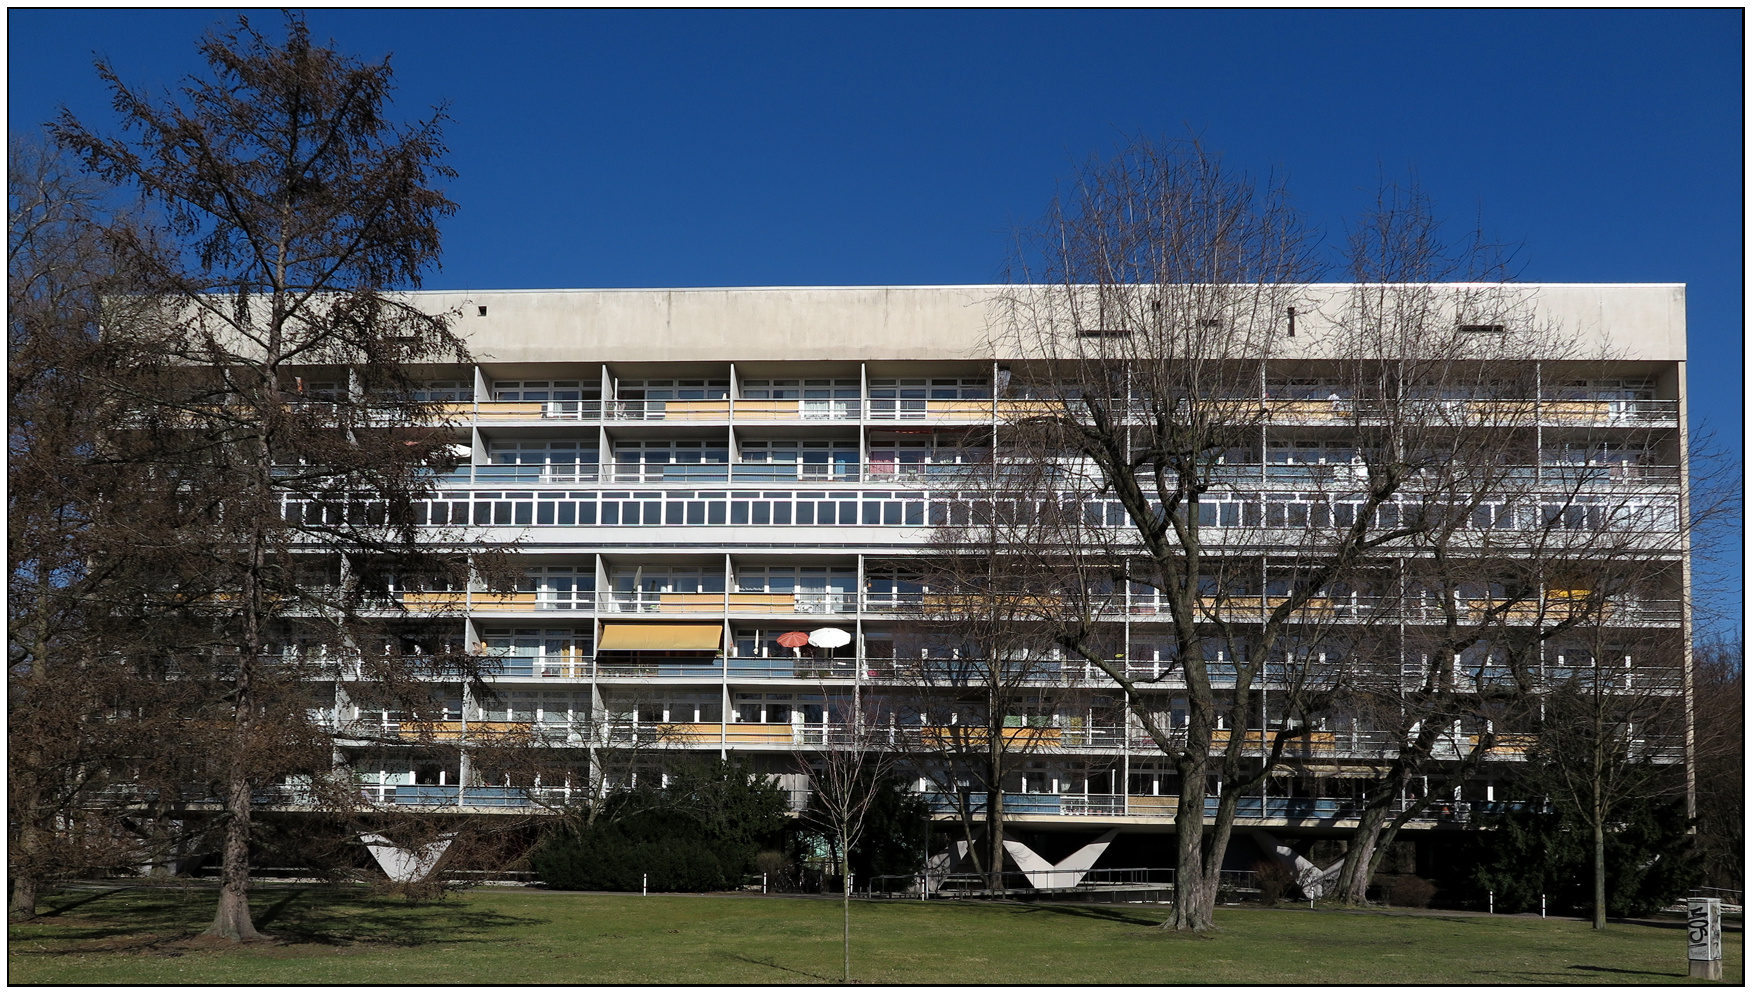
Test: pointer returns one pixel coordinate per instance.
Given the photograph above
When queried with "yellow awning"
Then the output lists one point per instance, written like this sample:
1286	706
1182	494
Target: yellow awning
621	636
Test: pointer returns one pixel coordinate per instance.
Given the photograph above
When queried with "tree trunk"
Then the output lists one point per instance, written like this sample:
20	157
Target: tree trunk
24	897
1195	889
1600	863
995	814
845	907
1360	862
232	921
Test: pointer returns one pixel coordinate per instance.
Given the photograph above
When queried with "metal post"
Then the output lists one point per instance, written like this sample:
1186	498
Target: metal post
643	880
763	883
1491	900
1543	905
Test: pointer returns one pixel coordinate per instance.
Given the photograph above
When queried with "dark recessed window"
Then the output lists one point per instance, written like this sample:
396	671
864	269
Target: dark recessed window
1104	333
482	310
1482	328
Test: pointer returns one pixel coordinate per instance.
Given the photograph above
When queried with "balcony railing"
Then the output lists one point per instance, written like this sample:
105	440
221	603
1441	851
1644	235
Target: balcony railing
1357	608
1530	482
1268	807
1601	411
742	409
769	474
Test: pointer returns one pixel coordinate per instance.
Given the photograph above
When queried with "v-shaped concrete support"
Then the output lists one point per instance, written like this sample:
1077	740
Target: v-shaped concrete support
406	866
1313	880
1068	873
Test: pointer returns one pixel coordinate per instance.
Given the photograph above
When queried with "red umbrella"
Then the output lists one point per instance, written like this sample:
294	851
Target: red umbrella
794	641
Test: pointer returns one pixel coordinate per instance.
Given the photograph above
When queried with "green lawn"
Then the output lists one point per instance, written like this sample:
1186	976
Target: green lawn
143	936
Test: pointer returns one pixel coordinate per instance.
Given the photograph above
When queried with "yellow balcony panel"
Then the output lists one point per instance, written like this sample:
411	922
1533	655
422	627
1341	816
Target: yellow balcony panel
1312	744
1503	410
1152	804
516	601
759	733
682	733
1513	746
1576	411
766	410
655	636
510	410
456	729
974	738
435	601
764	604
1311	410
1252	739
696	410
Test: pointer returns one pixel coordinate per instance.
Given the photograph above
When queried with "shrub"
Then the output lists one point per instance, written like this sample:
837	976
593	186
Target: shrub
1275	881
893	840
1650	861
1409	891
702	833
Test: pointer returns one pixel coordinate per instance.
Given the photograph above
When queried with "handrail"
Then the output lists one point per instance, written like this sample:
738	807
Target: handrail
1260	476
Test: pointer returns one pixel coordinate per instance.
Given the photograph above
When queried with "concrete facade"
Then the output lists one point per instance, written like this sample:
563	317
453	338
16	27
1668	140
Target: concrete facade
675	457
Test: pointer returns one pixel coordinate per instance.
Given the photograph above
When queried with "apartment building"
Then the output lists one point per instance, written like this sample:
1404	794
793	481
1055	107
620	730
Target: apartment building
713	494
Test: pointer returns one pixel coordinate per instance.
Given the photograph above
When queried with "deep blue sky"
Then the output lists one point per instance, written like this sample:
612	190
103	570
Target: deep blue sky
660	149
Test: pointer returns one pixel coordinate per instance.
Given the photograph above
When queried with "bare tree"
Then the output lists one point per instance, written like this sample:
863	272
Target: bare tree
285	416
1613	731
1268	464
93	758
1719	680
843	775
973	678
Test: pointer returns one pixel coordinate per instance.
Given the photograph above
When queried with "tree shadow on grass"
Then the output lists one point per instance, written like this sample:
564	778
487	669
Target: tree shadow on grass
1622	970
1569	975
770	962
77	902
1102	912
339	920
127	919
119	918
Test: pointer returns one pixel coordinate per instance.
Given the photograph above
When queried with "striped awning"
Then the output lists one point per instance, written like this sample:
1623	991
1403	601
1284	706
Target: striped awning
658	636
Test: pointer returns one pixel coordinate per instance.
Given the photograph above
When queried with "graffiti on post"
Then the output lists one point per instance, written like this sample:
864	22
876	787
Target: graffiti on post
1704	929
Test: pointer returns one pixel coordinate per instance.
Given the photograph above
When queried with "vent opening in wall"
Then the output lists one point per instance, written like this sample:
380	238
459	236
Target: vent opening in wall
1482	328
1104	333
481	310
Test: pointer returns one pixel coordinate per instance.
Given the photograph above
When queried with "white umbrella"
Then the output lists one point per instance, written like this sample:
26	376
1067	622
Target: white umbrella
830	638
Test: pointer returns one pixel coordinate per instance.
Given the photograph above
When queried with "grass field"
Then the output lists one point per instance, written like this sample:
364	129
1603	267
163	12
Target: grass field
146	936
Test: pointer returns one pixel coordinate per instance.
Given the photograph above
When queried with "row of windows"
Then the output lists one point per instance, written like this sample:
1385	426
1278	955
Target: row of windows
793	452
940	388
881	508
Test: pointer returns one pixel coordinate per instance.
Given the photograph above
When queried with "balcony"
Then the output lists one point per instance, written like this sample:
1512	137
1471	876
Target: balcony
1361	609
1336	482
656	603
518	602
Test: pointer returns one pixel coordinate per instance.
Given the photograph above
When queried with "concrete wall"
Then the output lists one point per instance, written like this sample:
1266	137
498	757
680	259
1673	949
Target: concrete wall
1639	322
